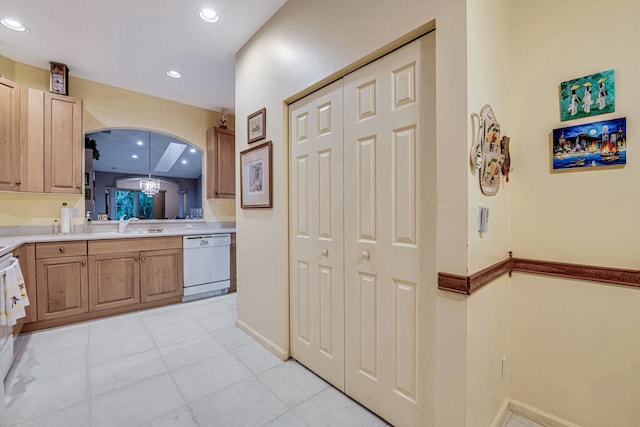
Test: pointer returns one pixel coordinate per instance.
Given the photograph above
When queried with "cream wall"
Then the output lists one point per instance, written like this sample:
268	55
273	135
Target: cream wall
108	107
574	344
306	44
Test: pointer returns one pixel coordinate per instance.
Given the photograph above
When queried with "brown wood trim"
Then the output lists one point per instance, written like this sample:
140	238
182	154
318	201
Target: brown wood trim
616	276
36	326
467	285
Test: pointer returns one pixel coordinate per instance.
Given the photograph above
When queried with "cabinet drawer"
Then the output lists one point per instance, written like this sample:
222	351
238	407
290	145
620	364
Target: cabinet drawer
61	249
100	247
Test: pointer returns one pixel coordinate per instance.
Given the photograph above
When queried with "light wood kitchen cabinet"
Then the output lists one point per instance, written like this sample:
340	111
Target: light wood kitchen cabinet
9	135
221	163
31	140
26	255
114	280
63	147
232	267
160	274
62	287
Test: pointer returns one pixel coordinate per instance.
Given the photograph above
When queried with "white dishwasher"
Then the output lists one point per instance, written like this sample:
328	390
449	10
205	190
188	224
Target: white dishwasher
206	265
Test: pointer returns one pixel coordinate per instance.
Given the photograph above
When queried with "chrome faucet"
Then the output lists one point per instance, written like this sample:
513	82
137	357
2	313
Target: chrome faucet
122	223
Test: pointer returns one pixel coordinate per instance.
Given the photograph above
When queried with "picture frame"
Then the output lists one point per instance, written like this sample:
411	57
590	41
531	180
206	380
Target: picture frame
257	126
256	177
588	96
590	146
87	194
86	179
58	78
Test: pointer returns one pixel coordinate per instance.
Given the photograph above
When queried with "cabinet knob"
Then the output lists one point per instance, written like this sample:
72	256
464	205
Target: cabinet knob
366	255
78	187
61	249
142	258
18	182
17	256
325	252
83	263
136	258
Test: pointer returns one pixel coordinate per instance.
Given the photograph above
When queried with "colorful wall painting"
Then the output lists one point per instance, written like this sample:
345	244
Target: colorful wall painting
590	145
588	96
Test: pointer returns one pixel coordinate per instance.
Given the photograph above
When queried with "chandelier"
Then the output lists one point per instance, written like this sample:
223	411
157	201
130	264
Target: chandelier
149	186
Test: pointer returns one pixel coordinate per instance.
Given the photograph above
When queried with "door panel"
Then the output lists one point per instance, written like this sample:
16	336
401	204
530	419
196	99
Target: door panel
317	311
160	274
62	287
9	135
389	275
114	281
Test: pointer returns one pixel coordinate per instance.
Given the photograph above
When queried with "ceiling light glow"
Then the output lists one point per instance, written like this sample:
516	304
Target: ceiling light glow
193	150
208	15
184	162
140	143
135	156
174	74
13	24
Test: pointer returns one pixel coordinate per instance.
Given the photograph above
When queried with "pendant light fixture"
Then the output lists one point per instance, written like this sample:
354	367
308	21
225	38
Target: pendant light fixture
148	185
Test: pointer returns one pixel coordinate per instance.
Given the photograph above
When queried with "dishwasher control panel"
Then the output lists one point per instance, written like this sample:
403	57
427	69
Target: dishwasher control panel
203	241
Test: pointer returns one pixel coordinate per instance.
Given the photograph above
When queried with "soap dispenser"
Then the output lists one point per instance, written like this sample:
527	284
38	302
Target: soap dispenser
88	224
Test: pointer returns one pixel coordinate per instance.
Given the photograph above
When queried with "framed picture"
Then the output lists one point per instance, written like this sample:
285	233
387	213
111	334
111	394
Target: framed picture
86	179
257	125
590	145
87	194
58	78
255	178
588	96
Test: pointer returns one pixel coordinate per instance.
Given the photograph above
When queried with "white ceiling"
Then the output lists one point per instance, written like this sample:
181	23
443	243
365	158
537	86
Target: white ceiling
132	43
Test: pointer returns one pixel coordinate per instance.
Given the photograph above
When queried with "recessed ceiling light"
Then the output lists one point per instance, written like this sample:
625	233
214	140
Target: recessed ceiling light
193	150
174	74
135	156
13	24
208	15
140	143
184	162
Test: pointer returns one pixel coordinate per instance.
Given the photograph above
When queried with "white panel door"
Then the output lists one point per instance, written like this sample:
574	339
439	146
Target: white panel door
390	274
317	234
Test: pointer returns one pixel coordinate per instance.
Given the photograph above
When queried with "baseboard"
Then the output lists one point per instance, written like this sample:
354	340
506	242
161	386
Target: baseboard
268	344
537	415
501	415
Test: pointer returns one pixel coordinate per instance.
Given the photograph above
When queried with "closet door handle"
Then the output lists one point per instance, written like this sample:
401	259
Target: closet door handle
325	252
366	255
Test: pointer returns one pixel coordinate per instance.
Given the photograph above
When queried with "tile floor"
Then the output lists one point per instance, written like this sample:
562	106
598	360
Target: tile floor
181	365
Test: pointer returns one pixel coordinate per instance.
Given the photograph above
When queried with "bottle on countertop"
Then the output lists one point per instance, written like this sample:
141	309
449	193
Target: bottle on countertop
88	224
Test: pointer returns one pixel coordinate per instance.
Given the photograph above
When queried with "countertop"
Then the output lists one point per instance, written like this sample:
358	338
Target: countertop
9	243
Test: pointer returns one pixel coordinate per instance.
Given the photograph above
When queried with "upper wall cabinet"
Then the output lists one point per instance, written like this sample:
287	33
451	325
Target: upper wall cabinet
221	163
9	135
41	134
63	151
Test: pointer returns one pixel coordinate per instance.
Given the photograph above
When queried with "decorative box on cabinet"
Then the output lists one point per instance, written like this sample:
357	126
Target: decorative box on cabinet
221	163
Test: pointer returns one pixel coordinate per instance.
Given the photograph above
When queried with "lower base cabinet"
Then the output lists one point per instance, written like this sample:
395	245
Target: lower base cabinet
114	280
62	287
160	274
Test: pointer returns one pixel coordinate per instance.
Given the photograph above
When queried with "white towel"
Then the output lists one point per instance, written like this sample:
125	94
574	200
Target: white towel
15	294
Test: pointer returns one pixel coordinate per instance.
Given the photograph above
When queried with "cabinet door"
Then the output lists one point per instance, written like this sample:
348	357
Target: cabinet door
62	287
63	151
221	164
9	135
26	254
160	274
114	281
31	140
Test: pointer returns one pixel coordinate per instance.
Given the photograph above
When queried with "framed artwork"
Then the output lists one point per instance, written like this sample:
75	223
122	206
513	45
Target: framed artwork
87	194
58	78
590	145
588	96
257	125
256	179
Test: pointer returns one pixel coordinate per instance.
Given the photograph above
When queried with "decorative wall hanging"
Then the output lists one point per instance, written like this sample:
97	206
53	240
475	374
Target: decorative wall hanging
588	96
590	145
58	78
257	125
486	152
256	178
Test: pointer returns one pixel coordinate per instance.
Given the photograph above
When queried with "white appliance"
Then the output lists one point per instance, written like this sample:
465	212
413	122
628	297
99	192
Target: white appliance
207	265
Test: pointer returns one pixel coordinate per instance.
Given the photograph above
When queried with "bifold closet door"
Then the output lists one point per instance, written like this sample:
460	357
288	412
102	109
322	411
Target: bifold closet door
316	230
390	288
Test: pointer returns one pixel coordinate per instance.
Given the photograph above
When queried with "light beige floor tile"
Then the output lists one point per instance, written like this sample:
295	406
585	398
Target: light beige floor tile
139	403
287	419
179	418
248	403
209	376
332	408
178	332
234	338
78	415
217	323
186	353
158	319
115	327
126	371
102	351
53	340
257	358
292	383
207	307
